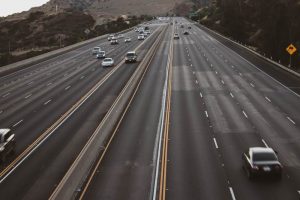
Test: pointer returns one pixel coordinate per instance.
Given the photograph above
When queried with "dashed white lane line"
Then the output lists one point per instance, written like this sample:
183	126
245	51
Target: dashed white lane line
245	114
29	95
49	84
206	113
30	83
196	82
268	99
232	66
201	95
263	141
6	95
82	77
291	120
240	74
232	193
19	122
193	72
191	65
252	85
211	65
216	72
216	144
231	95
47	102
68	87
222	82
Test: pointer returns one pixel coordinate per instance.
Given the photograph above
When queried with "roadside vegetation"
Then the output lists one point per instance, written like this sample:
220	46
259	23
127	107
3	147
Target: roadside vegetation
40	33
268	26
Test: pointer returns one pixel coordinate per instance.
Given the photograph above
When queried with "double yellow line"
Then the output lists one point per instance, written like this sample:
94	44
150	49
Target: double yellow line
164	158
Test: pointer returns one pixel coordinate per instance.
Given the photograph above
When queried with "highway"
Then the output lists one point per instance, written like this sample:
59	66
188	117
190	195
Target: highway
199	104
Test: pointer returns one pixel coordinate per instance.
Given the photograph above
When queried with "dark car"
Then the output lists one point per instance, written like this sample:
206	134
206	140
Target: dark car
186	33
261	161
189	27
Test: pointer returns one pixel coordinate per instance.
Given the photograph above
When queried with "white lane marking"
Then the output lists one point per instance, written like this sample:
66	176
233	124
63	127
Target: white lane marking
68	87
201	95
30	83
245	114
193	72
16	124
252	84
216	144
216	72
49	84
211	65
29	95
232	66
188	55
291	120
263	141
47	102
196	82
268	99
191	65
65	74
1	111
232	193
222	82
82	77
240	74
231	95
6	95
298	191
206	113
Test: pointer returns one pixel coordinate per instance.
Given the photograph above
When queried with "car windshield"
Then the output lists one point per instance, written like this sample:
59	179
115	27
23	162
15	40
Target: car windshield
265	156
107	60
130	54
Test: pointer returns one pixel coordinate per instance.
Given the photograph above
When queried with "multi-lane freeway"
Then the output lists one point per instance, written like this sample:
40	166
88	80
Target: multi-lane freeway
192	106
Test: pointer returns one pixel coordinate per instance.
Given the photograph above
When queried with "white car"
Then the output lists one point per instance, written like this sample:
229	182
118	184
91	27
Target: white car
96	50
127	40
110	37
101	55
141	37
107	62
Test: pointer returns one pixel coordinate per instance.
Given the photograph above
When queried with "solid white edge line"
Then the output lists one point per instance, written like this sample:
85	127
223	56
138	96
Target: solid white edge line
16	124
245	114
68	87
291	120
232	193
263	141
216	144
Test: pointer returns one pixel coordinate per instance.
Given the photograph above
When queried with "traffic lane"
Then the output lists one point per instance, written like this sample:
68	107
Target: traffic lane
24	139
279	74
130	155
44	169
222	129
194	170
271	122
59	80
61	67
262	82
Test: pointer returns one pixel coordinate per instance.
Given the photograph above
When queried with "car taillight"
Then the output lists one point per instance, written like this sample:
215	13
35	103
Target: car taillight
277	167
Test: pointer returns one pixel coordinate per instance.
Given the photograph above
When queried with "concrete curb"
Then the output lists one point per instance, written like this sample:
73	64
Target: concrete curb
252	51
69	187
4	70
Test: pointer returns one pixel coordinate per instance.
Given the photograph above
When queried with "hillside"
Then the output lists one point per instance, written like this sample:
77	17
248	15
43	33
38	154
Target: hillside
268	26
101	10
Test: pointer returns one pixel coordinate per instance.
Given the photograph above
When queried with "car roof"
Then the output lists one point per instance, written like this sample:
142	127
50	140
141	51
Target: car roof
107	58
131	52
261	150
4	131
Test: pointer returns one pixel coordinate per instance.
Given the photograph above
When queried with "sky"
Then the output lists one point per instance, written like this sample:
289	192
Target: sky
8	7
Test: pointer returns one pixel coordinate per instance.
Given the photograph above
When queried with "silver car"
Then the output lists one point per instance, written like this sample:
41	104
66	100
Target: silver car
107	62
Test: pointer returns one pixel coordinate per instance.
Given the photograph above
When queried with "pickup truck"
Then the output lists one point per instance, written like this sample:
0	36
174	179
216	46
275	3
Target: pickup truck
7	143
